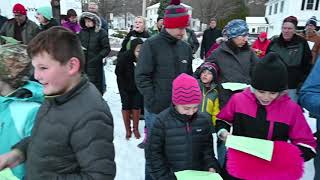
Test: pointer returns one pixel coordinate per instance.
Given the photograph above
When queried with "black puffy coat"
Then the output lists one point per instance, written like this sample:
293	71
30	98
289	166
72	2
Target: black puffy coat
96	43
72	138
162	58
177	143
125	68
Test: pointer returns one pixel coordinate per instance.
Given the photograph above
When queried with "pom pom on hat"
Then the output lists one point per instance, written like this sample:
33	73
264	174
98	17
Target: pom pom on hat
19	9
185	90
176	15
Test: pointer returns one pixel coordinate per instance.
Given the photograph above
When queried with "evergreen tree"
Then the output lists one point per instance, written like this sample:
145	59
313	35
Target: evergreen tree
241	12
162	7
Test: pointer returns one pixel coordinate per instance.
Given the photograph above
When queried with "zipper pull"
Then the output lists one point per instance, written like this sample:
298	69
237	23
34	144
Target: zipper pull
188	128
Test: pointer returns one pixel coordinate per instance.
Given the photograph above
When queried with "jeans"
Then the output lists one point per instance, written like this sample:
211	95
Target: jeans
293	94
221	150
149	119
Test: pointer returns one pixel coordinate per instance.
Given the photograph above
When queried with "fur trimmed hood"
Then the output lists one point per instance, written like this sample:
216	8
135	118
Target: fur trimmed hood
95	18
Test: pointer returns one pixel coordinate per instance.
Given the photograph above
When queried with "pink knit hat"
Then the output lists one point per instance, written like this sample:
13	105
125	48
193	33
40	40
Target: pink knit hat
186	90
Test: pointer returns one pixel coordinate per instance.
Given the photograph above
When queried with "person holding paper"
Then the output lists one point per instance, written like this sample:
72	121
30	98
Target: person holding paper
265	110
181	137
234	57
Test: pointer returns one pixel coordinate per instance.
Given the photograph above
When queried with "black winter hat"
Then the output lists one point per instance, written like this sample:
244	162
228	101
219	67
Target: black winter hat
270	74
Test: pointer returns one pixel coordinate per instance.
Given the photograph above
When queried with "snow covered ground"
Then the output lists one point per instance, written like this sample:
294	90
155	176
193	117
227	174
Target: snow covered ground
129	158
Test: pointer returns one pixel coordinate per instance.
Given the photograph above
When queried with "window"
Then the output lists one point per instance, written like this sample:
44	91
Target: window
261	29
317	5
253	30
281	6
270	10
275	8
310	4
302	5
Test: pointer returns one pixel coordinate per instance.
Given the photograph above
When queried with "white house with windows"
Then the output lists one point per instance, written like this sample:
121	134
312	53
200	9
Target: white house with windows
152	15
257	25
277	10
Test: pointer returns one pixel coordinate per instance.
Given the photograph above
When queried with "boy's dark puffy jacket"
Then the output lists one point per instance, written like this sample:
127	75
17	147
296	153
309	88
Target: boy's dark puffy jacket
72	138
177	142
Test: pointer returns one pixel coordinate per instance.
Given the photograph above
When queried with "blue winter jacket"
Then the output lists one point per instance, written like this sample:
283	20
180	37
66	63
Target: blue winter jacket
17	114
310	92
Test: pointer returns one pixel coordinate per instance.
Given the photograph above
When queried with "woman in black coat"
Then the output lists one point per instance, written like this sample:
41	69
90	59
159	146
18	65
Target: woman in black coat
96	43
131	98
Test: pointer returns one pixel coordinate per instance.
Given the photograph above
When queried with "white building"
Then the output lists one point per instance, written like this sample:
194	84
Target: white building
257	25
152	15
118	22
277	10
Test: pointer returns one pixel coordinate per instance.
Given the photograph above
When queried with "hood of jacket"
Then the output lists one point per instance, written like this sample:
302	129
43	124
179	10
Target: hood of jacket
95	18
31	91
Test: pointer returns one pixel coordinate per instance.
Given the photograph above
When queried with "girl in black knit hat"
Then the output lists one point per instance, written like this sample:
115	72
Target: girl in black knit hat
265	111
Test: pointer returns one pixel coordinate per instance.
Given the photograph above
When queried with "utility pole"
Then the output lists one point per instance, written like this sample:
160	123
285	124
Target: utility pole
144	6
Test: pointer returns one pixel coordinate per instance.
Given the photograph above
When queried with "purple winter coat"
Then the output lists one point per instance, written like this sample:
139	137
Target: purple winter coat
75	27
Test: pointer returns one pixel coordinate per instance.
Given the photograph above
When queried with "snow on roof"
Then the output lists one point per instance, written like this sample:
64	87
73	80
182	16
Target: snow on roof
256	20
158	4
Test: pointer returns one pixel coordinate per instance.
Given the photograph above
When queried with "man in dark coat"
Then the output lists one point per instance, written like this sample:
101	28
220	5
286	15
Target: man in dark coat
209	37
162	58
20	27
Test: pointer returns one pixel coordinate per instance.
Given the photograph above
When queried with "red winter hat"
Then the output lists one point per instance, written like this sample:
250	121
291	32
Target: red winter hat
263	35
19	8
185	90
176	15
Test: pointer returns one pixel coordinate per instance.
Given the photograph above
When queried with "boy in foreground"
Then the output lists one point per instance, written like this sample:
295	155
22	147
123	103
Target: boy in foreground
73	133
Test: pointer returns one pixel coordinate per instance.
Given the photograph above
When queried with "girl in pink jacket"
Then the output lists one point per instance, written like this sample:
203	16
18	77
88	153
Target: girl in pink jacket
265	111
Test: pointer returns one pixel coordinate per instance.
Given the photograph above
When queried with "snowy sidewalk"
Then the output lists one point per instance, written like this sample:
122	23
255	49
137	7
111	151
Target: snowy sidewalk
129	158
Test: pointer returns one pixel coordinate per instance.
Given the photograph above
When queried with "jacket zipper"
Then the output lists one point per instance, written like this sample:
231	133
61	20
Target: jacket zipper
189	140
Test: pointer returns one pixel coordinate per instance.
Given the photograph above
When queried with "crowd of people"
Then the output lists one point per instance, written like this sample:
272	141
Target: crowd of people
56	125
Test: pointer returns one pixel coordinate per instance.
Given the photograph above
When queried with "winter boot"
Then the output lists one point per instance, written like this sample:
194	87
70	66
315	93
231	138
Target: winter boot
126	120
135	117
